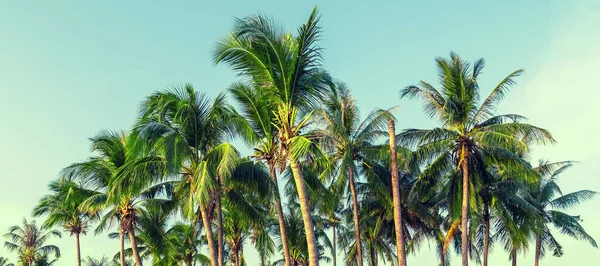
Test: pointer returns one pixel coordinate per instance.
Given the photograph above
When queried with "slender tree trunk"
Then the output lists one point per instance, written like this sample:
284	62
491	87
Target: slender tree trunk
280	218
396	196
236	258
442	256
334	251
77	249
134	248
538	245
486	241
209	237
465	205
122	246
219	223
309	229
355	216
514	258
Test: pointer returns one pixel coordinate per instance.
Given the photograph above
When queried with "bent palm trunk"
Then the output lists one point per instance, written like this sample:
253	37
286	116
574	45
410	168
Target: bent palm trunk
355	216
209	236
465	206
280	218
311	240
396	195
77	249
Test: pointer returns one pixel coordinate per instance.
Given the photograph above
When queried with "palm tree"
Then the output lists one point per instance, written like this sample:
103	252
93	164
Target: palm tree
544	194
349	140
29	241
396	195
287	67
45	261
4	262
191	131
122	178
471	135
63	208
96	262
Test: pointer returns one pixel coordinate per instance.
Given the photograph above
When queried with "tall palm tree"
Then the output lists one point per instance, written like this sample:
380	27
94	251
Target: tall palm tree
549	200
191	131
287	67
29	241
63	208
470	134
396	195
122	178
4	262
349	140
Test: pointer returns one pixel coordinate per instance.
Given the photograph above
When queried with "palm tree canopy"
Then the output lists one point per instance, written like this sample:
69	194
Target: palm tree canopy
29	241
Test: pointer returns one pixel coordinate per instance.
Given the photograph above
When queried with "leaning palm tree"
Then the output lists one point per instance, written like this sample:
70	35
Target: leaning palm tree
62	207
287	67
29	241
349	140
4	262
191	131
122	178
471	134
544	194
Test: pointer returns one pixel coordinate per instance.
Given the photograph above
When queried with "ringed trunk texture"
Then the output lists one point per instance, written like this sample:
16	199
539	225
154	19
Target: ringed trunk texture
396	195
309	229
486	242
122	246
209	237
77	249
219	224
538	244
280	218
136	254
465	206
355	216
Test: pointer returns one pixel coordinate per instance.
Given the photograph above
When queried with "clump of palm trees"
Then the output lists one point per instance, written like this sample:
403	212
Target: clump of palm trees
174	184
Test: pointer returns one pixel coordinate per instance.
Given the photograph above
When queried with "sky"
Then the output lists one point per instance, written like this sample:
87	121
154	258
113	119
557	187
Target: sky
69	69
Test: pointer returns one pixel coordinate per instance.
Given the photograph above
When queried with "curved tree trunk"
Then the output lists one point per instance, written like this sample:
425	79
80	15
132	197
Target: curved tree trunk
309	229
280	218
538	245
465	205
334	251
209	237
122	246
396	196
220	244
134	248
355	216
486	241
77	249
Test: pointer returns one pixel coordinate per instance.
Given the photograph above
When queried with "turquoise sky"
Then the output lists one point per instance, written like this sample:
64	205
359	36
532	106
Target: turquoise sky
69	69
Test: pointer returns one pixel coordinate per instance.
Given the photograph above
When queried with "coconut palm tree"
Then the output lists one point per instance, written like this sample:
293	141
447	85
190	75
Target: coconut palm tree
471	134
97	262
4	262
122	179
287	67
550	201
190	130
349	140
62	207
29	241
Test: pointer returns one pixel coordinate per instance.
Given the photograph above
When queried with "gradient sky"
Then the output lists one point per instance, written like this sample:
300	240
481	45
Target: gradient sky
69	69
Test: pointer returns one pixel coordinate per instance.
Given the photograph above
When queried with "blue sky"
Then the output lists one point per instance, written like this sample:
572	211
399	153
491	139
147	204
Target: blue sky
69	69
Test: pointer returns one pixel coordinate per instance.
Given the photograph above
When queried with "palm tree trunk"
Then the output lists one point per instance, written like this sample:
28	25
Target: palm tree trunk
442	256
465	205
77	249
486	241
219	223
355	216
309	229
334	251
134	248
514	257
209	236
538	245
396	196
122	247
280	218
